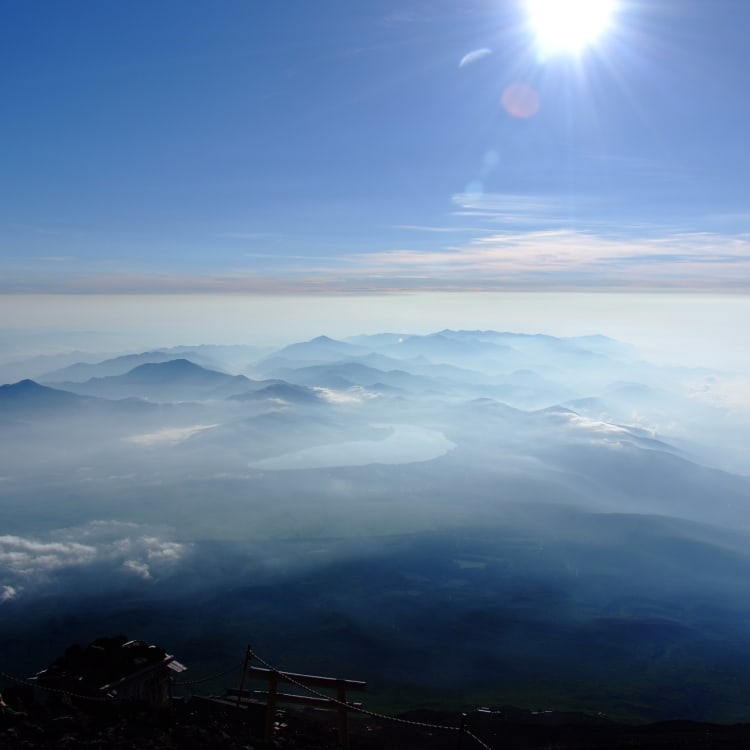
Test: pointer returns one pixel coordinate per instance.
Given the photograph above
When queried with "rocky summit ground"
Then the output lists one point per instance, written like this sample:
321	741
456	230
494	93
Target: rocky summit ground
199	722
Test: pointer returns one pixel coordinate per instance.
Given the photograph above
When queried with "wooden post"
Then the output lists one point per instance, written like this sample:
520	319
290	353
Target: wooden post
343	719
271	706
248	656
273	696
461	731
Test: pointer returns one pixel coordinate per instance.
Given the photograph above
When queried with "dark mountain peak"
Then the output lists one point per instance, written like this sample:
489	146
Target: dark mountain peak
174	368
173	365
177	379
82	371
319	349
24	386
30	393
27	387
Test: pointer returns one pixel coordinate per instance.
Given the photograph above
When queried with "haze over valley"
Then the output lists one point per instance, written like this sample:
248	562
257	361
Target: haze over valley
513	517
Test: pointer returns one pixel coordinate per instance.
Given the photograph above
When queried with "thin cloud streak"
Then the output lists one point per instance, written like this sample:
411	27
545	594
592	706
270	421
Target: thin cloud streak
508	203
438	230
580	259
544	259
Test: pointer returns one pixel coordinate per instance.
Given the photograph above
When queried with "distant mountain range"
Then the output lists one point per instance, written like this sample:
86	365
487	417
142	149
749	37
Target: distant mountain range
82	371
223	358
173	380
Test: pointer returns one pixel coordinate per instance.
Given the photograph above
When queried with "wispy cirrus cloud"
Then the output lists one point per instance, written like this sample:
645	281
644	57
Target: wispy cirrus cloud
522	210
439	230
499	203
512	241
566	258
532	260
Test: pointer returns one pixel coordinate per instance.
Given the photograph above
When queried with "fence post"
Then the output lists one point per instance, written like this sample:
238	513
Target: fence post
343	719
243	676
461	731
271	706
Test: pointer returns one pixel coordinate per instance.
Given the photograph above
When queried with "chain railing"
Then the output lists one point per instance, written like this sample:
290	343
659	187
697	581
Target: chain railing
216	676
287	677
54	690
360	709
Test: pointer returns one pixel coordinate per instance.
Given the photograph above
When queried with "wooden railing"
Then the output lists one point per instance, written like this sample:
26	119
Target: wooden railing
337	701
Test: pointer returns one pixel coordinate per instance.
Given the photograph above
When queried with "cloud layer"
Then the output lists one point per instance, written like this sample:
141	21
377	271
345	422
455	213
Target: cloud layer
28	562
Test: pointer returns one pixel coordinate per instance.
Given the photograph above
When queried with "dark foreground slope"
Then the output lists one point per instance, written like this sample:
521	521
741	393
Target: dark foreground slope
200	723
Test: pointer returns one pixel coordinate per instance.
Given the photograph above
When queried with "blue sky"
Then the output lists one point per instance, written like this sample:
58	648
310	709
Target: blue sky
338	147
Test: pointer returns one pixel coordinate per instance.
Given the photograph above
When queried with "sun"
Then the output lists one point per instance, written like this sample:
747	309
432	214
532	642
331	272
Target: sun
568	25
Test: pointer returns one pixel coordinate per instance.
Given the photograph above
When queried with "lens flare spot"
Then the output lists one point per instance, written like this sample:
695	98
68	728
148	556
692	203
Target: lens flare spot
520	100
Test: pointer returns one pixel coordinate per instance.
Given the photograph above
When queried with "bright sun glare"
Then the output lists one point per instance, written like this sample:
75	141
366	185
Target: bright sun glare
568	25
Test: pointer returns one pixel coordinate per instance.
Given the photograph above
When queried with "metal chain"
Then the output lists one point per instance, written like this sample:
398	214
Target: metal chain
210	677
58	691
476	739
287	677
30	683
359	709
